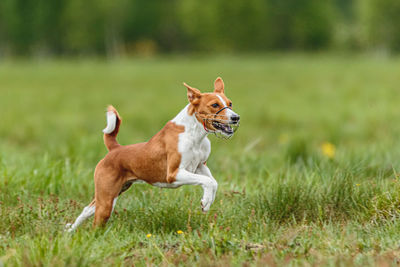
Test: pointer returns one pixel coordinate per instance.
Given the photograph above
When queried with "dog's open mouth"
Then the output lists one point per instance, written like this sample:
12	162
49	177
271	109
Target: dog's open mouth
227	129
222	128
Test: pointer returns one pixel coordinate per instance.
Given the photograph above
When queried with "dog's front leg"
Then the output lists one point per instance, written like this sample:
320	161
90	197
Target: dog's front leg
208	184
204	170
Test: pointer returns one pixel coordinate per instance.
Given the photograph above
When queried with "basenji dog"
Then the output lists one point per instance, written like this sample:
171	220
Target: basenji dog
175	156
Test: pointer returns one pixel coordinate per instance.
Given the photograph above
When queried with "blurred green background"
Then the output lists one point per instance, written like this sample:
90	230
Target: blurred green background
127	27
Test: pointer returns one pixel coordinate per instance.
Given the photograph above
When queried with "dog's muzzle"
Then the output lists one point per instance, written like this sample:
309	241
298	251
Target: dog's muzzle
224	128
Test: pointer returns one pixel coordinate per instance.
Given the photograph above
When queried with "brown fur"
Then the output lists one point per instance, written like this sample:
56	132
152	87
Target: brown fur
154	161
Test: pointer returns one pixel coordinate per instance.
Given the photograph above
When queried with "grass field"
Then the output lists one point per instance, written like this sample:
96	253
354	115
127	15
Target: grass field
310	178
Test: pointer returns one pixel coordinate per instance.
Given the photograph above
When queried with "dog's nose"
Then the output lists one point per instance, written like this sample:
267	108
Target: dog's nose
235	118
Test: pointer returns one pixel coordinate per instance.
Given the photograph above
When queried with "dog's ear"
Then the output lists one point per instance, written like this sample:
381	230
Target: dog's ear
193	94
219	86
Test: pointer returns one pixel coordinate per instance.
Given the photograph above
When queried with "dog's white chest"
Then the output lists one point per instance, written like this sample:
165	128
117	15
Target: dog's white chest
193	144
192	158
193	153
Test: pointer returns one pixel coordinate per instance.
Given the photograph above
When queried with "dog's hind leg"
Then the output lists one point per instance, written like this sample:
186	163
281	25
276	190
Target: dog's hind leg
103	210
107	191
87	212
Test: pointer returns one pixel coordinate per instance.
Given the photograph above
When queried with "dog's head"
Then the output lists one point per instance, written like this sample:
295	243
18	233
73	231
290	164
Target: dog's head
213	110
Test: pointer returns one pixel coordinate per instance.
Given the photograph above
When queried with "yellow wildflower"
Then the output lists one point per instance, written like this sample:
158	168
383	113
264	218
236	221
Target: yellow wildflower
148	235
358	184
179	232
328	149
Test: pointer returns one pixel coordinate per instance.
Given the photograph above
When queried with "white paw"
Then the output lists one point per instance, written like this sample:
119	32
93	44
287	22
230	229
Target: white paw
68	228
205	204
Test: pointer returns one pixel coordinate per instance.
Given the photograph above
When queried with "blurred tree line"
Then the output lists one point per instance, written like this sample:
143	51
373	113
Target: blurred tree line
120	27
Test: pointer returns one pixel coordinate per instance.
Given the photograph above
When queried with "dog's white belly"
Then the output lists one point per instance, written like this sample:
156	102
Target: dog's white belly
158	184
166	185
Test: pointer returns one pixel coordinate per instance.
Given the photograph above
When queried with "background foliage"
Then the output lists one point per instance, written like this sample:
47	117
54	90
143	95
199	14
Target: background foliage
120	27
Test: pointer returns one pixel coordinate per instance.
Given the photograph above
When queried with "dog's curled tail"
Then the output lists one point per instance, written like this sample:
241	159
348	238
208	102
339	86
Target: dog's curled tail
111	131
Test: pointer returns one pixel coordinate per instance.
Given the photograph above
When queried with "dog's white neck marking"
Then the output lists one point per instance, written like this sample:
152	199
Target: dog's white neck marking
193	143
194	130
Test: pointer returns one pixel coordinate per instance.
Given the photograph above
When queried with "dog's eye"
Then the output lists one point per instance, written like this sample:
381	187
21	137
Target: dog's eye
215	105
230	104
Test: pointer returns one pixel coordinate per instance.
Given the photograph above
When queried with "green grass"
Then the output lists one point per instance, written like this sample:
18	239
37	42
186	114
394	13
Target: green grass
280	199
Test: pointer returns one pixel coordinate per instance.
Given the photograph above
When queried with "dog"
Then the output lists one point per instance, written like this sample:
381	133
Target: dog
175	156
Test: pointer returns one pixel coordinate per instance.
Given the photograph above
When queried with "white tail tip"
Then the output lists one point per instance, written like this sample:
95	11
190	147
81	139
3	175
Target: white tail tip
111	122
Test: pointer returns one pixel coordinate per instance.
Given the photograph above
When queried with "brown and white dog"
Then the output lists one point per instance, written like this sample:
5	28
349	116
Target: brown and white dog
173	157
